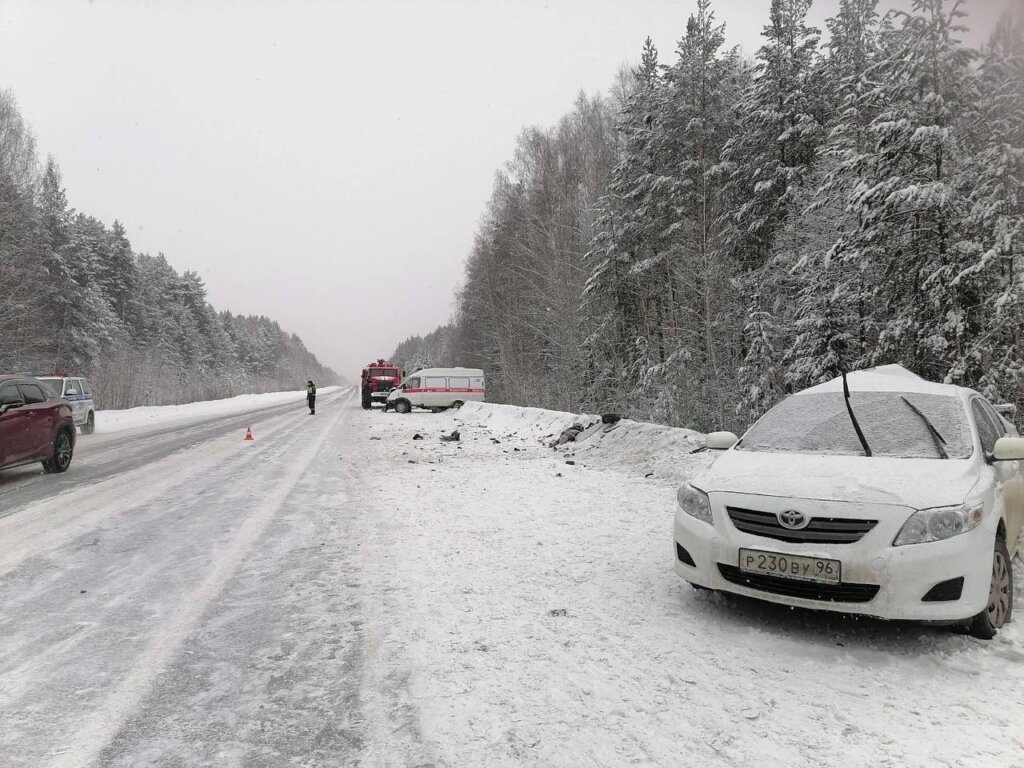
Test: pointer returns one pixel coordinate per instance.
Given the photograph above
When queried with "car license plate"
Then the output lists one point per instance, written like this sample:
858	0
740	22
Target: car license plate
790	566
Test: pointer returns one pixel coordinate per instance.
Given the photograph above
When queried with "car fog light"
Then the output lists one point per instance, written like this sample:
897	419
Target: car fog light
938	524
695	503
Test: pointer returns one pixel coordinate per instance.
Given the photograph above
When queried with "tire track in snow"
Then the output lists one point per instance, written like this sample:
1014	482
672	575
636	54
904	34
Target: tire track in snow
101	727
390	713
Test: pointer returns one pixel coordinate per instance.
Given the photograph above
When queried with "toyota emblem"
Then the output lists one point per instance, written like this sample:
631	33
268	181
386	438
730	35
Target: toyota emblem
793	520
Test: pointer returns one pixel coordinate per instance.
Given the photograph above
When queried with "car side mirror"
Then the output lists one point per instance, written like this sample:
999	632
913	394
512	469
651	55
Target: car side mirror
720	441
1008	449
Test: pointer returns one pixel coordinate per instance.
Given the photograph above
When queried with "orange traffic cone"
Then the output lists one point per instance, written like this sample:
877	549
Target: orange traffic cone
248	434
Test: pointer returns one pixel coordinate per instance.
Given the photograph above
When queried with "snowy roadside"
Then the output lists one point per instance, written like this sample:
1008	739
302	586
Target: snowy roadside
652	450
529	615
171	415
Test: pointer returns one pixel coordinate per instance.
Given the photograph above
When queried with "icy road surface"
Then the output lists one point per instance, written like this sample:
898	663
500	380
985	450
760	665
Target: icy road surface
339	594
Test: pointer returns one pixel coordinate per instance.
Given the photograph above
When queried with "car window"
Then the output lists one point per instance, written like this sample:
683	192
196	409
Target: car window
458	383
819	423
413	383
72	386
86	389
9	393
435	382
32	393
997	420
987	430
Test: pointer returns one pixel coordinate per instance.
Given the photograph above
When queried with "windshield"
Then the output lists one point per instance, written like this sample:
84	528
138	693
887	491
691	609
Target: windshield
389	373
819	423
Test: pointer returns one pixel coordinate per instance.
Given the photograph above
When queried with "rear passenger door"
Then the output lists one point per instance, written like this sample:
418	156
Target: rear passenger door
13	424
40	418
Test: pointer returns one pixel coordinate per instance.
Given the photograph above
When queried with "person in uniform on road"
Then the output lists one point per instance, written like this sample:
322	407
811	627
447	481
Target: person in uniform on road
311	396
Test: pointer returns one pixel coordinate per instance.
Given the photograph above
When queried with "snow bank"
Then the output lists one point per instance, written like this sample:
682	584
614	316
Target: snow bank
160	415
670	453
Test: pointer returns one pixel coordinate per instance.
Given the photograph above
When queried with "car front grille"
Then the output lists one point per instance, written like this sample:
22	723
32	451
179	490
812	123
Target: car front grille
820	530
809	590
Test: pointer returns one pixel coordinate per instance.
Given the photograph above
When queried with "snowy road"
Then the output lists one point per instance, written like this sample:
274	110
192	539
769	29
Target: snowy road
339	594
103	454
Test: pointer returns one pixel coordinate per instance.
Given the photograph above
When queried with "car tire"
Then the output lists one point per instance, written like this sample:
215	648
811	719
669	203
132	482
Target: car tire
367	401
999	609
402	406
63	451
90	424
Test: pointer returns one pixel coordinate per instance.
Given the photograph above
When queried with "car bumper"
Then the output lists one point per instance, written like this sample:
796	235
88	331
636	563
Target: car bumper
903	575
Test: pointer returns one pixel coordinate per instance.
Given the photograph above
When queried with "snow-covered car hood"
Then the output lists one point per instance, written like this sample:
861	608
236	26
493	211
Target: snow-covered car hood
916	483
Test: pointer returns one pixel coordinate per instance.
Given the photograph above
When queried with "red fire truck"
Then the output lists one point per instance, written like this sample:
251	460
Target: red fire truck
377	380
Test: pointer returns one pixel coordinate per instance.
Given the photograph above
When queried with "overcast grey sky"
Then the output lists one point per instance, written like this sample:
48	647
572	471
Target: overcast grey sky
322	163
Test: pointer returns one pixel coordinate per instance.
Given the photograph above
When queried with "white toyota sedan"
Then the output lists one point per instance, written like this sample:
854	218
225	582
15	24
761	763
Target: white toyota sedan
892	496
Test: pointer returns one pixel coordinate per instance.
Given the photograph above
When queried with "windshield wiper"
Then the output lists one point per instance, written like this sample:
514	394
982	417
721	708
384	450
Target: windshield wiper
938	439
853	418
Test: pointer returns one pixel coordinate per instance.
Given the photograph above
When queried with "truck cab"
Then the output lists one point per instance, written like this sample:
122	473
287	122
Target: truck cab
377	380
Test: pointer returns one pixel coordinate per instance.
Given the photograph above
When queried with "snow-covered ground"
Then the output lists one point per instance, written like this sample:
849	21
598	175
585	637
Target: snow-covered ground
338	593
542	623
166	415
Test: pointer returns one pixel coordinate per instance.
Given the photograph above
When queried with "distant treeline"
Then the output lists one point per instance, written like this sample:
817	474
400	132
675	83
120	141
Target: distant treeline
75	297
718	232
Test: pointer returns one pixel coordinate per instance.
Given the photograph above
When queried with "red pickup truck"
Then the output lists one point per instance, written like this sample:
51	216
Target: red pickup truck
35	425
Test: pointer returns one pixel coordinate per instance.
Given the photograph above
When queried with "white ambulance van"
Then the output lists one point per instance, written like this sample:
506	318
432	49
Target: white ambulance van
437	389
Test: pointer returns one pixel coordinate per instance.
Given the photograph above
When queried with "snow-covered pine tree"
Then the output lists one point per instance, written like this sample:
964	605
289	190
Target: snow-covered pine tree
117	271
995	219
832	305
55	221
702	88
760	374
908	193
779	133
624	307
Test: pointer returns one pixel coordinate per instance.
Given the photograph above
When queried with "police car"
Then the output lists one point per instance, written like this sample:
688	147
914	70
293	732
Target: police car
78	392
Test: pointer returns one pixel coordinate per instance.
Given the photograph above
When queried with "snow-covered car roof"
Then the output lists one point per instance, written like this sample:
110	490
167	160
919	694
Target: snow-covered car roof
886	378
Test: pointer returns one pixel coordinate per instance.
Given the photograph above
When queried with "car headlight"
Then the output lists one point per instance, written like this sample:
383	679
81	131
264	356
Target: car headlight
694	503
938	524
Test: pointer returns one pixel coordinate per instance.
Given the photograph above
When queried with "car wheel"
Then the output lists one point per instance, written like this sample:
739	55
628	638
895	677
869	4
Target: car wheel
90	424
367	402
457	404
1000	596
63	449
402	406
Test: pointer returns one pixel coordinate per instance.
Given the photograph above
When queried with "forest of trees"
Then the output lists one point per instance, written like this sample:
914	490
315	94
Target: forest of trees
718	232
75	297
